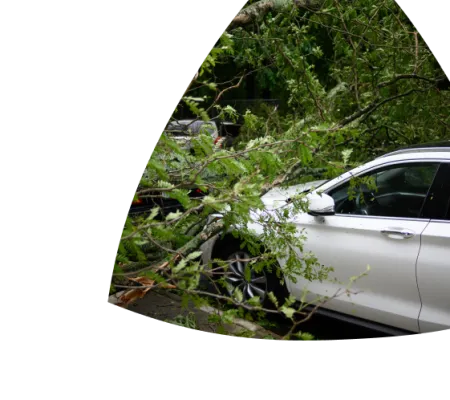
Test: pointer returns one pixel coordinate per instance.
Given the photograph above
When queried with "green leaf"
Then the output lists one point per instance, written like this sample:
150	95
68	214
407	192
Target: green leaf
159	168
248	272
273	299
153	214
304	294
194	99
180	266
288	311
194	255
254	301
305	154
289	301
238	296
346	155
121	257
173	215
304	336
229	316
182	196
121	249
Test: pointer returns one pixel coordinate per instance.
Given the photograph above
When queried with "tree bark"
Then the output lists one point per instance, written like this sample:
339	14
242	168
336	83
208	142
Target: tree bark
259	9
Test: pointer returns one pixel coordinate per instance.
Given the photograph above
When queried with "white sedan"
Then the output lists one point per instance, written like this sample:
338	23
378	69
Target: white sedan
401	230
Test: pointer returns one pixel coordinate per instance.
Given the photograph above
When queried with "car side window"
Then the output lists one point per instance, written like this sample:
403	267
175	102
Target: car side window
395	191
437	205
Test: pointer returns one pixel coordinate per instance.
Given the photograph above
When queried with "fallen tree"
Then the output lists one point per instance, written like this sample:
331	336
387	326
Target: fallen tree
353	80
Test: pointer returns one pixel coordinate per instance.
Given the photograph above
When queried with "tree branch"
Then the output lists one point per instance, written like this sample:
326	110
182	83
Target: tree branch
366	111
406	76
259	9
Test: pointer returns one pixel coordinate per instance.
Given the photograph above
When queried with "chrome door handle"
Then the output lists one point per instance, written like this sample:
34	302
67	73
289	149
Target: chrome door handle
403	233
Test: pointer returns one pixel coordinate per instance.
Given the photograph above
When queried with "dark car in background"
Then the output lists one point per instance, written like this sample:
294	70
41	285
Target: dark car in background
224	134
182	131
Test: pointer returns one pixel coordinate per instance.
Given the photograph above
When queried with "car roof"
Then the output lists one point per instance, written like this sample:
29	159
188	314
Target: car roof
431	147
429	151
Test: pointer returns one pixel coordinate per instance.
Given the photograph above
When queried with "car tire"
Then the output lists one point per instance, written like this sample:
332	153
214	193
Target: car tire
260	284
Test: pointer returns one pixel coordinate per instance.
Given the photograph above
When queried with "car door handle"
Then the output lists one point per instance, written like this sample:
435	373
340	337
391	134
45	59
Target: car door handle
398	233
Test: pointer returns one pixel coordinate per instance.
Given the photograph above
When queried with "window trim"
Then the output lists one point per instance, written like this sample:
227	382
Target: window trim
440	192
388	164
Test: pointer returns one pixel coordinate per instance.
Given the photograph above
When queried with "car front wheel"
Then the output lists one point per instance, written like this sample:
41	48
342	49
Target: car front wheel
239	274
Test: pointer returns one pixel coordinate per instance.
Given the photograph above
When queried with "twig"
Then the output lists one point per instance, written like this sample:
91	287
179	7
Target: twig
416	39
136	287
229	88
378	105
406	76
236	303
155	267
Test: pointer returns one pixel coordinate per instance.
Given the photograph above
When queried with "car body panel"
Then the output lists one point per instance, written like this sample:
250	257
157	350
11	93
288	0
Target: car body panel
279	196
388	294
433	277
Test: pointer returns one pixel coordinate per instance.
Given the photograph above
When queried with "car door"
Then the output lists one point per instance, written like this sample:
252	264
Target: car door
377	223
433	263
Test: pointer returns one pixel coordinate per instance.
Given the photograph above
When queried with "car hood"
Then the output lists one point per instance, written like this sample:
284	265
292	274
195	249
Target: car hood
282	194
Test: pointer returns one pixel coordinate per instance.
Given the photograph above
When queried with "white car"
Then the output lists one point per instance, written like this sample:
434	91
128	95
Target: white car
401	230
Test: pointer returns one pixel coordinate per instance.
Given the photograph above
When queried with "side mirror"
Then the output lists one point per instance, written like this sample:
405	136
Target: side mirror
320	205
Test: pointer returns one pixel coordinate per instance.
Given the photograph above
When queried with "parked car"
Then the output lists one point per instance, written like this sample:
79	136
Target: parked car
224	133
183	130
397	222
